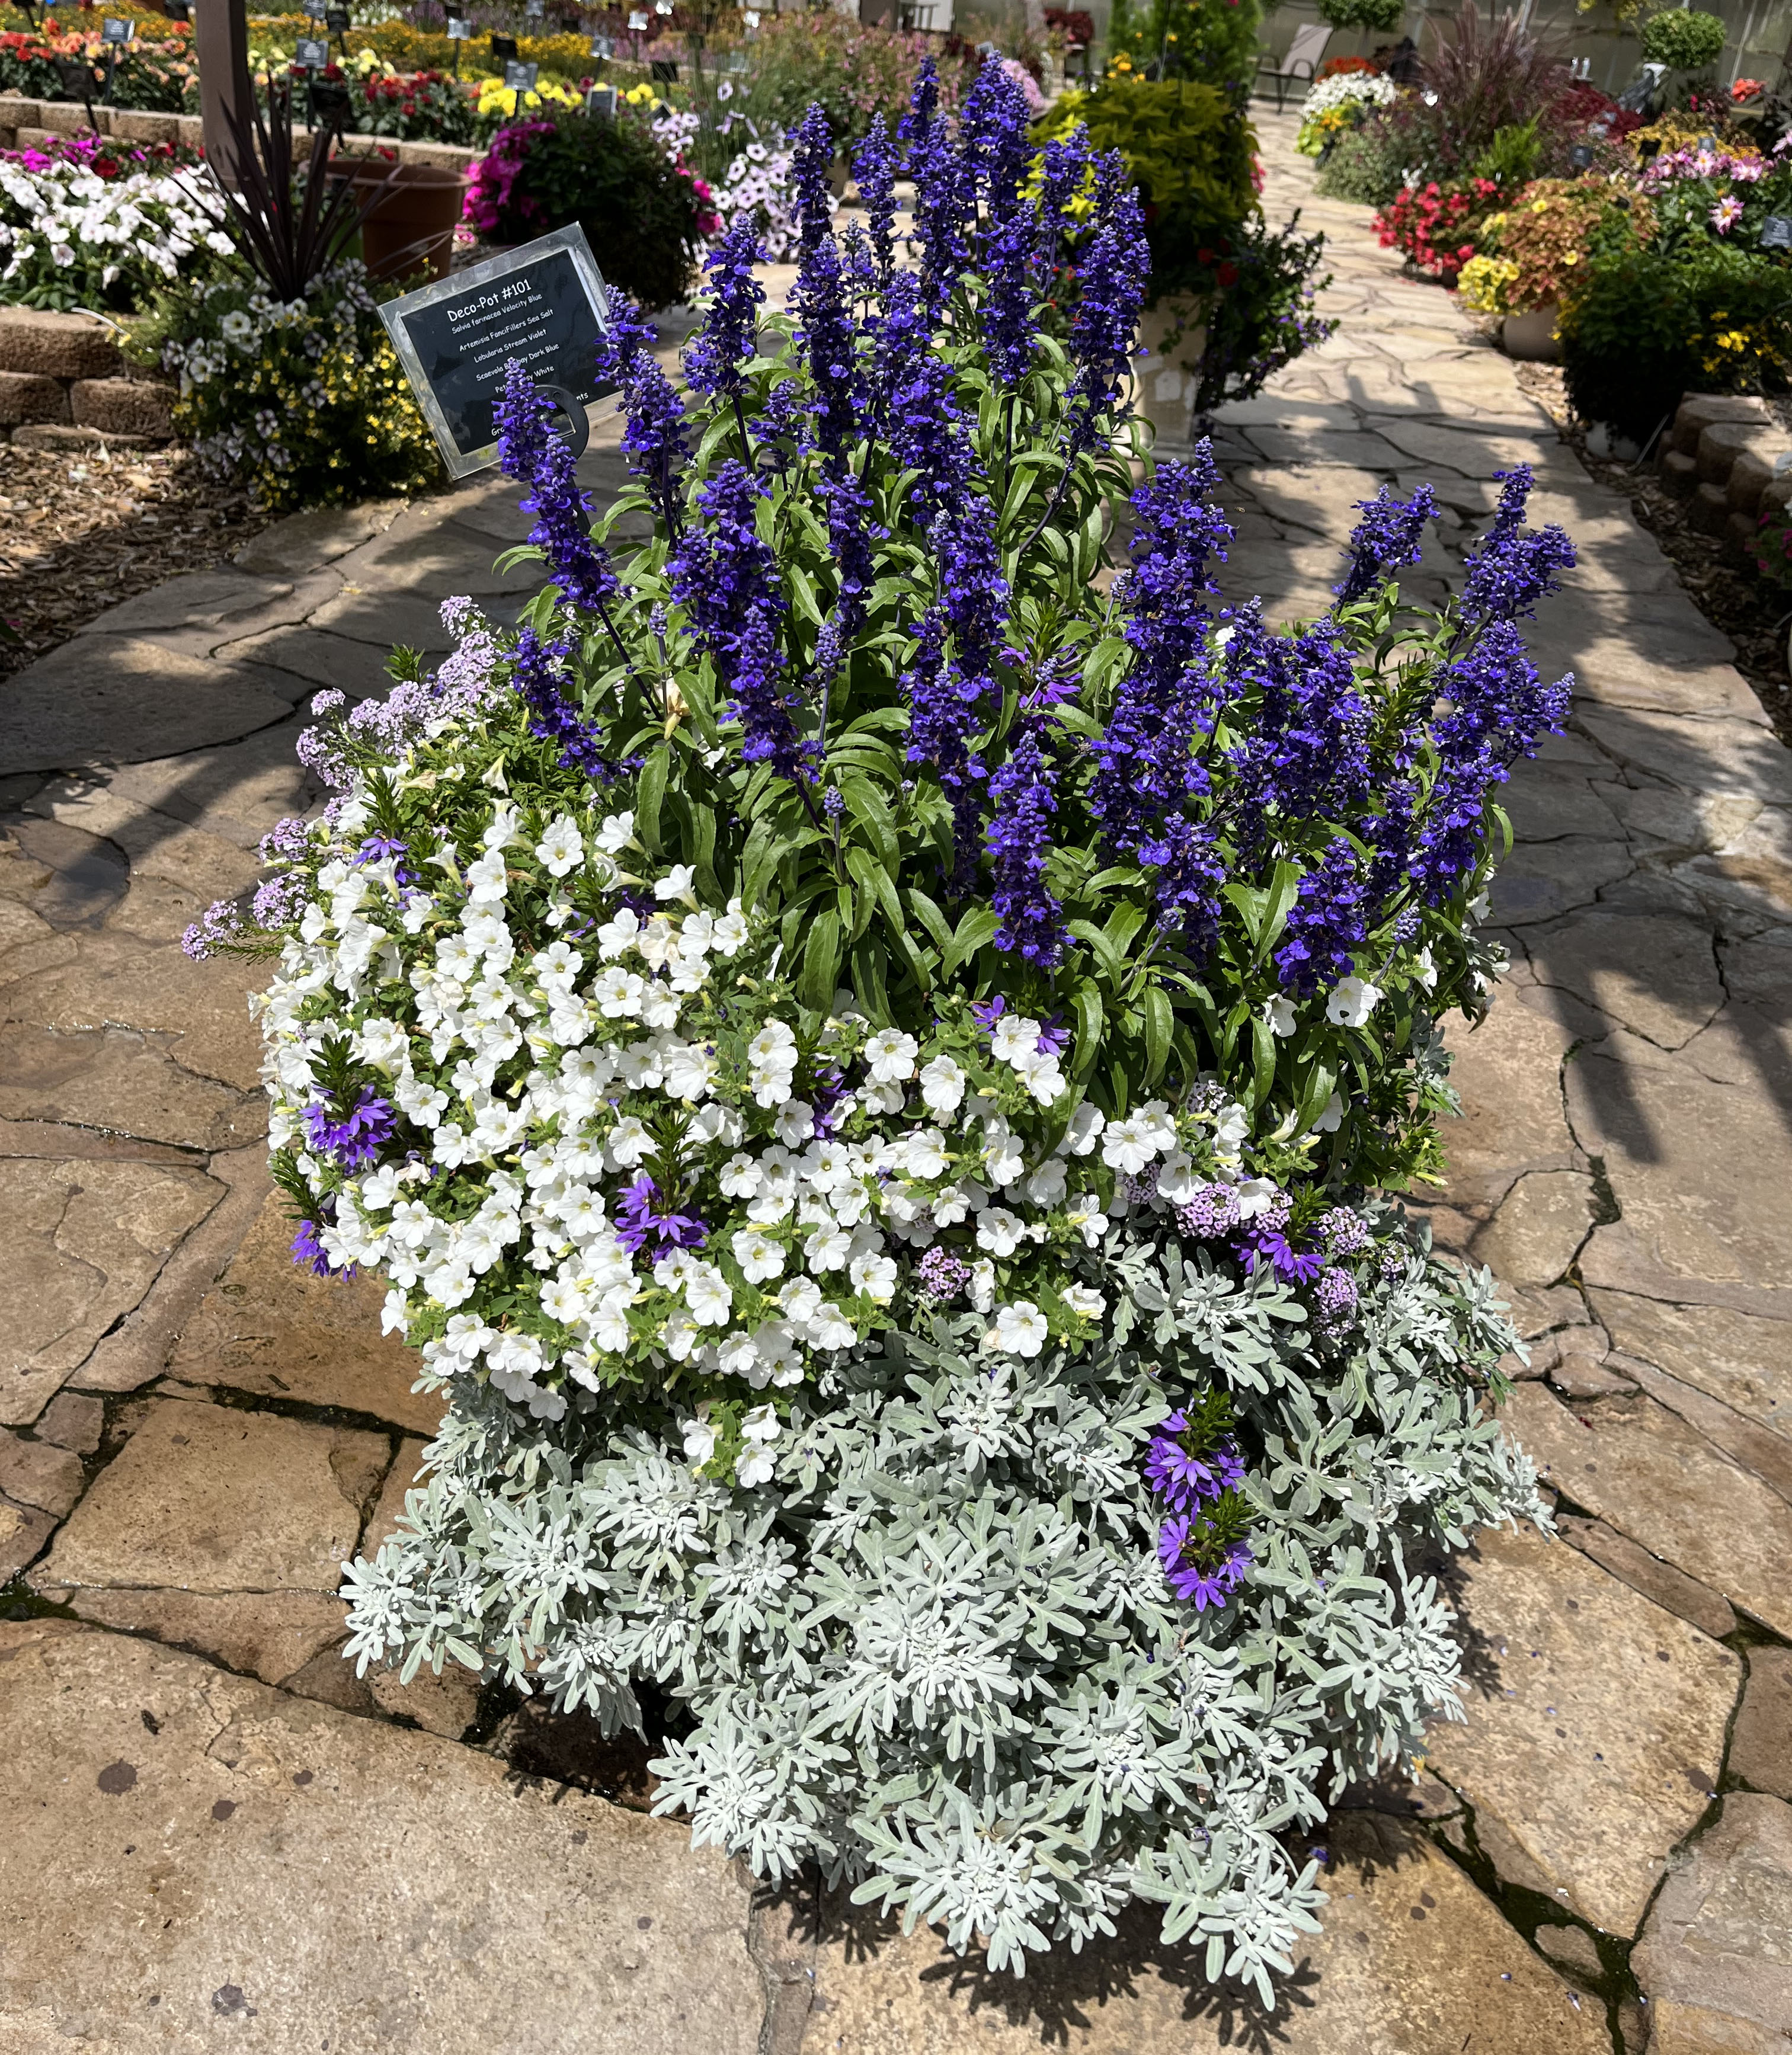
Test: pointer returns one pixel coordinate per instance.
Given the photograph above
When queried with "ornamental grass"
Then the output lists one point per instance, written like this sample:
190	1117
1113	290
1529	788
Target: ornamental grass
875	1035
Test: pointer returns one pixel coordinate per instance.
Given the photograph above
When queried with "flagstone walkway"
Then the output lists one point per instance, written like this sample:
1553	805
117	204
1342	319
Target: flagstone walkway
214	1833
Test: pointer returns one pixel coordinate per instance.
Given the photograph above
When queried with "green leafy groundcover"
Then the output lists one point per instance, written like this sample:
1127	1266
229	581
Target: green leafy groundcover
875	1044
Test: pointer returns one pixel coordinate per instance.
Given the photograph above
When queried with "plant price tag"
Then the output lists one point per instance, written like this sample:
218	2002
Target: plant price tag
520	77
460	29
310	55
112	31
544	304
1776	232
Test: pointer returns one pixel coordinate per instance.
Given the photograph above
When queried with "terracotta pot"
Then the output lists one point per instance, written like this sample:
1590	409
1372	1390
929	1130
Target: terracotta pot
1171	337
410	231
1532	338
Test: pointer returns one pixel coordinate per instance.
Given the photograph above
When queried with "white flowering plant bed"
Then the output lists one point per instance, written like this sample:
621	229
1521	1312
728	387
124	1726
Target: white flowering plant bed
876	1048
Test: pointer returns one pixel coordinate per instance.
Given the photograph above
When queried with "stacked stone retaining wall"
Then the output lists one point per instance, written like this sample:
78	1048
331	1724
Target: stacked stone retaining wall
1729	457
64	384
28	123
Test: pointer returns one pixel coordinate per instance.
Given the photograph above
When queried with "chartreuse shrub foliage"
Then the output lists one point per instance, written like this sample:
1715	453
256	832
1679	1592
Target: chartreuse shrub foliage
875	1061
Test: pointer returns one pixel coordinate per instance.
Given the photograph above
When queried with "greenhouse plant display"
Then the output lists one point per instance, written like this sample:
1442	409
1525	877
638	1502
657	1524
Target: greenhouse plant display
877	1072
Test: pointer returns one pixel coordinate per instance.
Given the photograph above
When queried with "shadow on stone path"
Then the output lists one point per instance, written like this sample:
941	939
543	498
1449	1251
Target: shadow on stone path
214	1827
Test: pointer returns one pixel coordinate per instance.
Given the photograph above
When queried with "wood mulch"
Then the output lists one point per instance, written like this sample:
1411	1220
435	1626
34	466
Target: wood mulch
1751	613
82	529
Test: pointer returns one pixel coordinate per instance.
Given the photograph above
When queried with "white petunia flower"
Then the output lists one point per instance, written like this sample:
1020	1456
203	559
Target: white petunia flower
1279	1014
1019	1329
924	1154
890	1056
1016	1040
676	884
561	847
628	1143
828	1249
942	1087
616	834
1329	1120
1425	970
707	1294
829	1328
617	992
999	1231
1081	1300
1129	1145
759	1256
699	1443
688	1071
1352	1001
1254	1196
795	1122
873	1275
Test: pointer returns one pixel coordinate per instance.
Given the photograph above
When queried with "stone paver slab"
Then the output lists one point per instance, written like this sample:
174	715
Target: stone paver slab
123	1081
110	699
1761	1745
1509	1123
1656	973
1716	1956
1640	1467
1594	1781
282	1877
83	1241
1412	1961
209	1499
268	1327
1541	1224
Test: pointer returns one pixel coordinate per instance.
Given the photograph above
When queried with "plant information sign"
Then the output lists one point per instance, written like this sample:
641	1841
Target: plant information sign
544	304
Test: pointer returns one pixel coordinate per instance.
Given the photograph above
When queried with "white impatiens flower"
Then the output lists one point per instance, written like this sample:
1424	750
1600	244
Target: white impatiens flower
942	1087
1019	1329
1279	1014
561	847
890	1056
699	1443
1353	1000
760	1257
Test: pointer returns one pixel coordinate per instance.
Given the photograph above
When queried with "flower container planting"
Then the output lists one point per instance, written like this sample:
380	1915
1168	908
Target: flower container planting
877	1070
1531	337
408	231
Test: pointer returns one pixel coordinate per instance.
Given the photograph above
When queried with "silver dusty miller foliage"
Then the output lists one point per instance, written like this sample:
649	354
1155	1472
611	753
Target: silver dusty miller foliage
935	1655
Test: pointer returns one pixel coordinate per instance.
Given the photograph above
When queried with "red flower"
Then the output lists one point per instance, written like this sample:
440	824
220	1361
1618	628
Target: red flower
1227	274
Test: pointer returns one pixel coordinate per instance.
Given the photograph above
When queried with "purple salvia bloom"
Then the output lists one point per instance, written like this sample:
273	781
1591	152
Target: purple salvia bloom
1023	799
945	212
716	361
1063	168
528	450
1326	925
1307	750
1389	535
911	391
830	340
873	172
1110	282
922	113
537	674
1508	571
811	148
725	577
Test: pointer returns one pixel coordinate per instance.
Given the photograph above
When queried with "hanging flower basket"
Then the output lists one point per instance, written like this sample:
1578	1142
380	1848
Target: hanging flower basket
878	1065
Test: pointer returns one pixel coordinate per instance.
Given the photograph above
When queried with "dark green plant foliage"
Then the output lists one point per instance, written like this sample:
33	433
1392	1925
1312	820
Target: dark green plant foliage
1210	41
1684	39
1366	165
1382	16
1189	150
1264	318
639	214
1643	329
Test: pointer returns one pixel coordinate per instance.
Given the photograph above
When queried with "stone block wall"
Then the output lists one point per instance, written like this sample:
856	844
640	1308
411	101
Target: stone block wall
1728	455
63	383
25	124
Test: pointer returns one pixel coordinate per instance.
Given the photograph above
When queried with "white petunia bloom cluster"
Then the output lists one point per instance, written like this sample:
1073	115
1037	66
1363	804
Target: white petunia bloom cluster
573	1118
59	221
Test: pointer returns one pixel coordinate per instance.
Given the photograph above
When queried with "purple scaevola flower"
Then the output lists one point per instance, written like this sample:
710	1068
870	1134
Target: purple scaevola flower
986	1013
1185	1477
355	1139
716	361
1391	534
308	1249
637	1222
1194	1583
